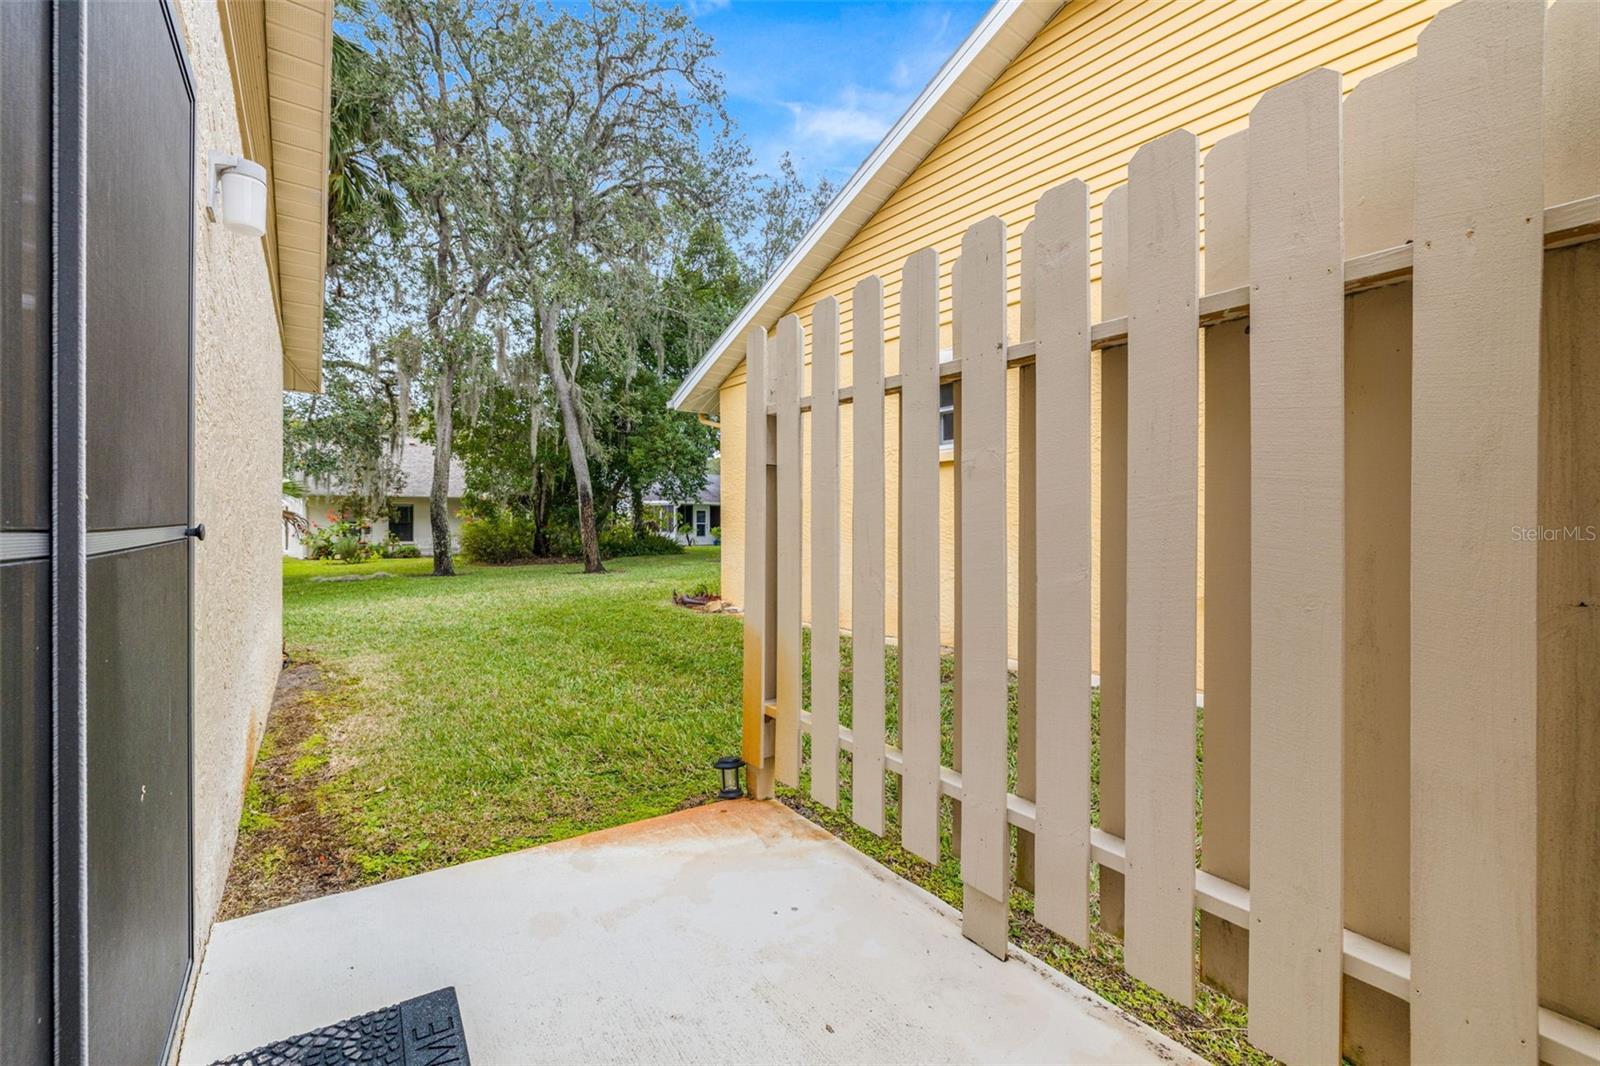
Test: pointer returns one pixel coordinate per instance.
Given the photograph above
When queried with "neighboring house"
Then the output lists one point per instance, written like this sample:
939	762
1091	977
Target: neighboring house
146	336
695	522
292	538
408	515
1040	93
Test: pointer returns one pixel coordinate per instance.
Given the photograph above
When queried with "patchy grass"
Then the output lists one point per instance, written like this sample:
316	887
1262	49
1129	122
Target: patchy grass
292	843
457	718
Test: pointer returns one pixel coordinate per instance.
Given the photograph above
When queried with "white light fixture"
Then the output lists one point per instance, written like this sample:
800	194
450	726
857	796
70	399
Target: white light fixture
238	194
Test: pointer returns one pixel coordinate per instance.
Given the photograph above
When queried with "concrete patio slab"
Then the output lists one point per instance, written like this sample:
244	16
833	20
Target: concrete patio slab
732	932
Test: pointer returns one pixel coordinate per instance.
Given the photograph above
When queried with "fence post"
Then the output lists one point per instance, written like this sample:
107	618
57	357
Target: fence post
1379	143
1113	552
1225	847
760	597
1163	470
981	650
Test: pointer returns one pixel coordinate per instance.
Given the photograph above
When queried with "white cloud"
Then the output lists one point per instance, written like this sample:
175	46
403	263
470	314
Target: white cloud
698	8
828	106
855	117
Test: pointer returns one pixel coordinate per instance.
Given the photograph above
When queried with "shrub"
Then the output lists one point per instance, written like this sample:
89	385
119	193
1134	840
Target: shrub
506	537
394	548
498	538
317	542
351	549
340	540
563	542
621	540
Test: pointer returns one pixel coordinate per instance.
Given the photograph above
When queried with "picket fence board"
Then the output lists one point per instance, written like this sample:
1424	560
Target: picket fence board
981	652
785	372
919	555
1477	280
1297	568
1225	849
825	552
1571	101
1055	587
1163	457
1569	498
760	606
867	557
1380	133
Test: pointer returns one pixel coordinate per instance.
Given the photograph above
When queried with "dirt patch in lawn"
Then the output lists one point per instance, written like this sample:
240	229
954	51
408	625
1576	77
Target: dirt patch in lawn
293	845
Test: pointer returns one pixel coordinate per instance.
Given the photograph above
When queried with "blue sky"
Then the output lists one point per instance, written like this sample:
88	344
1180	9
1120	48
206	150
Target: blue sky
825	80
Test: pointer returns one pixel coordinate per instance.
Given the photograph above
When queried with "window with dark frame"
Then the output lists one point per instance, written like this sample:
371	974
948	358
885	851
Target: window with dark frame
402	524
947	415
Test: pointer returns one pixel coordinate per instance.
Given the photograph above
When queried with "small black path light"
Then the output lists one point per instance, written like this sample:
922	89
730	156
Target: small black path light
729	766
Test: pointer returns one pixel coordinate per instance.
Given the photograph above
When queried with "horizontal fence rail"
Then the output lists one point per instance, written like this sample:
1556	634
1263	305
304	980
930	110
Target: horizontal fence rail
1565	225
1391	344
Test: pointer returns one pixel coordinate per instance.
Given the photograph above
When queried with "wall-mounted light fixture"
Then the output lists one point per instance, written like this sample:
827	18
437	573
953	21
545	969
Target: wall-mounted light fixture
238	194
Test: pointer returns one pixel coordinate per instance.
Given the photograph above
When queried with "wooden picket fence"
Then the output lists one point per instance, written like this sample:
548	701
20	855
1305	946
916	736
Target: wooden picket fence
1396	710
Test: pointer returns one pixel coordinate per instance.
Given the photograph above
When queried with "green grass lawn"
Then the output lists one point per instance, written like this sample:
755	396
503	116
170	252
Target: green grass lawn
448	719
510	706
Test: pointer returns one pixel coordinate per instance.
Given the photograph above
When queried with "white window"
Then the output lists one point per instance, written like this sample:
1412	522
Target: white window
699	522
947	415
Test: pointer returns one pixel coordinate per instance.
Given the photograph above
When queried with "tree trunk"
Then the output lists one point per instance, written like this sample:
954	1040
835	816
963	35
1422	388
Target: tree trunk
541	515
573	431
638	511
439	494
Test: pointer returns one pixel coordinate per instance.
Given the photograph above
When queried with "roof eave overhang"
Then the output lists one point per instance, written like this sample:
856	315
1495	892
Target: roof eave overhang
998	39
299	88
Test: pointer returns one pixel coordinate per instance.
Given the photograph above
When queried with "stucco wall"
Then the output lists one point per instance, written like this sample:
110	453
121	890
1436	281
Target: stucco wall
238	615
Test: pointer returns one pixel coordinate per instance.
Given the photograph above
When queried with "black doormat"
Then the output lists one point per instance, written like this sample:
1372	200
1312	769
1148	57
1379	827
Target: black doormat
425	1031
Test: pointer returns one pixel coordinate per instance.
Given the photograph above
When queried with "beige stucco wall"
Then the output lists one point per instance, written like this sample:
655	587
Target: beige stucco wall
238	450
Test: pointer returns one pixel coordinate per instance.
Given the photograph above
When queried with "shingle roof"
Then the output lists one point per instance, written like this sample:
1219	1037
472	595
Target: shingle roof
712	493
416	474
416	471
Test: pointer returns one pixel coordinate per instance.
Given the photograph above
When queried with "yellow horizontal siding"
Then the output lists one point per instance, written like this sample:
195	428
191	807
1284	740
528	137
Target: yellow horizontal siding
1100	79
